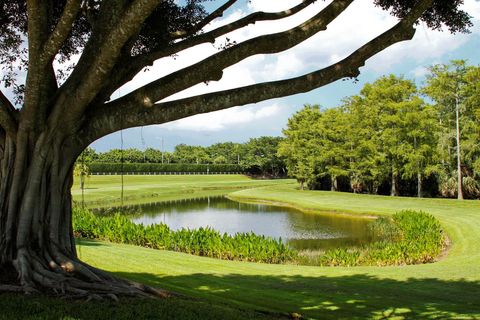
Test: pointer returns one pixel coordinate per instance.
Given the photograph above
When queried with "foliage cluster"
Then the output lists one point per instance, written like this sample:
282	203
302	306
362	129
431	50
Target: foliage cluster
104	167
257	156
203	241
408	237
388	139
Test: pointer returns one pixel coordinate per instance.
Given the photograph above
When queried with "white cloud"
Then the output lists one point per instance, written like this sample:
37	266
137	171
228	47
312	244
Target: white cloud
427	46
224	119
420	71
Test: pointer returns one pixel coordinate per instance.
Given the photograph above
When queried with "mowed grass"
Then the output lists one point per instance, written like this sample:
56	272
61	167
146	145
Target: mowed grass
23	307
106	190
449	288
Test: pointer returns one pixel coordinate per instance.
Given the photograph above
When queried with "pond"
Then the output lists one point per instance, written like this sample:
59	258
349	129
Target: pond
301	230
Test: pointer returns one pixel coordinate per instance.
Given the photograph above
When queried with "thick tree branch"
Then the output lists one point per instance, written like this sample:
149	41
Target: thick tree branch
113	118
62	30
212	67
214	15
38	30
230	27
126	69
110	50
87	82
8	115
37	12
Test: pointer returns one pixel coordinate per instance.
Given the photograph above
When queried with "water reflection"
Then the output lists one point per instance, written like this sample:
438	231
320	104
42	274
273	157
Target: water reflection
301	230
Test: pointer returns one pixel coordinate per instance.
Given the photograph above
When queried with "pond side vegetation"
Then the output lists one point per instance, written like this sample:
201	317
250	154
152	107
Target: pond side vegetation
203	241
407	237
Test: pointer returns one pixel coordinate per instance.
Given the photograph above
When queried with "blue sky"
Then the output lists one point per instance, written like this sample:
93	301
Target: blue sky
358	24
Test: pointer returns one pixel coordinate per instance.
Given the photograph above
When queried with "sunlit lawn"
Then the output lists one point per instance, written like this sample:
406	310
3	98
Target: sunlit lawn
446	289
106	190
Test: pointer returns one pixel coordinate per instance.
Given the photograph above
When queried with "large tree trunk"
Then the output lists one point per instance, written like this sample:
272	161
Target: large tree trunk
35	221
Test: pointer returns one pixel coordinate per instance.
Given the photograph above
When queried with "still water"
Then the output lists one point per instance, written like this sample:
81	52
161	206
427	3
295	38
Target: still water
299	229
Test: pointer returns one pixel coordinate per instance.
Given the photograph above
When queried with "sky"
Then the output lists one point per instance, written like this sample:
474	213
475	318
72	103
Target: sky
357	25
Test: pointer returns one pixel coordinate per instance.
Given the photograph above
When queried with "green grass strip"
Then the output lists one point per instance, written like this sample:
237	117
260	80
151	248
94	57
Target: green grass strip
447	289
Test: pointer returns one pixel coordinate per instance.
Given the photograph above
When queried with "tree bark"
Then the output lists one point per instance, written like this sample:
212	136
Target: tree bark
36	235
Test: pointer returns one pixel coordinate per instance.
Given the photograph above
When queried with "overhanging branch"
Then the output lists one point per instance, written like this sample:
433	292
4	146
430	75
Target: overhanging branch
62	30
89	76
114	117
230	27
223	30
212	67
214	15
126	70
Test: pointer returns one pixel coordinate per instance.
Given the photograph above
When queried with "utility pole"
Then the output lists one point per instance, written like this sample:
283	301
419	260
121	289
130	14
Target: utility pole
162	150
459	163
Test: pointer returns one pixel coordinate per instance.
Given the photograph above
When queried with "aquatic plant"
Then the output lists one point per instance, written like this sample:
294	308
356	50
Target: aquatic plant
203	241
408	237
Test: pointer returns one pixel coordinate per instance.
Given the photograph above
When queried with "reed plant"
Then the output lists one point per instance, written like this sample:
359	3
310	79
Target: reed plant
203	241
407	237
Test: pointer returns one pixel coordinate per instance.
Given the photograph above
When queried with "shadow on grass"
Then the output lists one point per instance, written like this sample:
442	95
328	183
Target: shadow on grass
15	306
345	297
88	243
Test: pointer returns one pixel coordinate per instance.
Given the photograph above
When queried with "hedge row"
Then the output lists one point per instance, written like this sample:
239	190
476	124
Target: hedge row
100	167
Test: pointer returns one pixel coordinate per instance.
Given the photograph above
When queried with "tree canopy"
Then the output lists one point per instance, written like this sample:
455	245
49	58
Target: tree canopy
59	111
388	136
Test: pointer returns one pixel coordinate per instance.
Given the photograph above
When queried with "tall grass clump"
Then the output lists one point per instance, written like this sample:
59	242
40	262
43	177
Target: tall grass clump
203	241
408	237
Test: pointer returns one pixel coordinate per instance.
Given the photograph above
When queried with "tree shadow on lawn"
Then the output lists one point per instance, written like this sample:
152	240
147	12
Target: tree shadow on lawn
80	242
344	297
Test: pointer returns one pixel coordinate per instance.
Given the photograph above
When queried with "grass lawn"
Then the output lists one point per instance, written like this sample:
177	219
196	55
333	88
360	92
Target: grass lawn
106	190
22	307
448	289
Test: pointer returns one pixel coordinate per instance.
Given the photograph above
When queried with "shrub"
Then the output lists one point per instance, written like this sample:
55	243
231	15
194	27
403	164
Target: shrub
103	167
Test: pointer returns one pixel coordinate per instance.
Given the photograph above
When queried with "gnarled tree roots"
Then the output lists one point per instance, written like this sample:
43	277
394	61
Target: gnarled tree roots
73	279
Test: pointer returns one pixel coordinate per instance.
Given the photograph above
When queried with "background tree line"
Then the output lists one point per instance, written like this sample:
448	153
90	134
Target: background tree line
393	138
258	156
